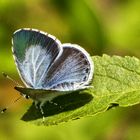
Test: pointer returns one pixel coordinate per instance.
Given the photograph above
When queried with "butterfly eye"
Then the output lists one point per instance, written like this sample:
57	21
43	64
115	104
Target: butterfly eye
26	96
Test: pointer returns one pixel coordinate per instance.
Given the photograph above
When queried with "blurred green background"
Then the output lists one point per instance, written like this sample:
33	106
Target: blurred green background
100	26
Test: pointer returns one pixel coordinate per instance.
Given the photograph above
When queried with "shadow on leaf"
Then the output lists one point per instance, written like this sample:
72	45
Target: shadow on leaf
65	103
112	105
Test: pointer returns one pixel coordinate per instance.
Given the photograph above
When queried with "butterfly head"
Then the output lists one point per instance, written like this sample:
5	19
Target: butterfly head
23	92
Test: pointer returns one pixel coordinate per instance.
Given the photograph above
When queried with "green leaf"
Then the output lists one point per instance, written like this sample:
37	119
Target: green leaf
116	82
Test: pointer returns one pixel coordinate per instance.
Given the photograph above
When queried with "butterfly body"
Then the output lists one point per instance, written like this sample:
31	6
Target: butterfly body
40	95
49	68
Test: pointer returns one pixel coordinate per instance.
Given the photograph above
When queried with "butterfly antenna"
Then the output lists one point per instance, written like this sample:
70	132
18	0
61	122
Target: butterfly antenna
11	79
4	110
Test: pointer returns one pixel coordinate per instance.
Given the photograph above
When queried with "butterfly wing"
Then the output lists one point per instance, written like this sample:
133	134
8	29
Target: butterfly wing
71	71
34	52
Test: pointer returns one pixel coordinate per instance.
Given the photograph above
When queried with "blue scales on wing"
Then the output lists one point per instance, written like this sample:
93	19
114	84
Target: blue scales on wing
34	53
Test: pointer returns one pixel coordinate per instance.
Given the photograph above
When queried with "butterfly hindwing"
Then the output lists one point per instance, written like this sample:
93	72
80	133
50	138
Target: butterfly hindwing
34	53
71	71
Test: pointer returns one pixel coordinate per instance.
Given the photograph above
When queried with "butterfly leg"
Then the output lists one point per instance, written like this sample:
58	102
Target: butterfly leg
39	106
36	103
55	104
41	110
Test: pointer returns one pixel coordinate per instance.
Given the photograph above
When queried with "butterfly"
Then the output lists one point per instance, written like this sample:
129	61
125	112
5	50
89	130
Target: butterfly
49	68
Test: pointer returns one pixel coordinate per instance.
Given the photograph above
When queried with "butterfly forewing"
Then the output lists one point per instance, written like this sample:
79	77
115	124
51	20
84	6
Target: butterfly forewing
34	53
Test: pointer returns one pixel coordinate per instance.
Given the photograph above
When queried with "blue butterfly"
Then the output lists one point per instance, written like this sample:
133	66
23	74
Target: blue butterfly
48	68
